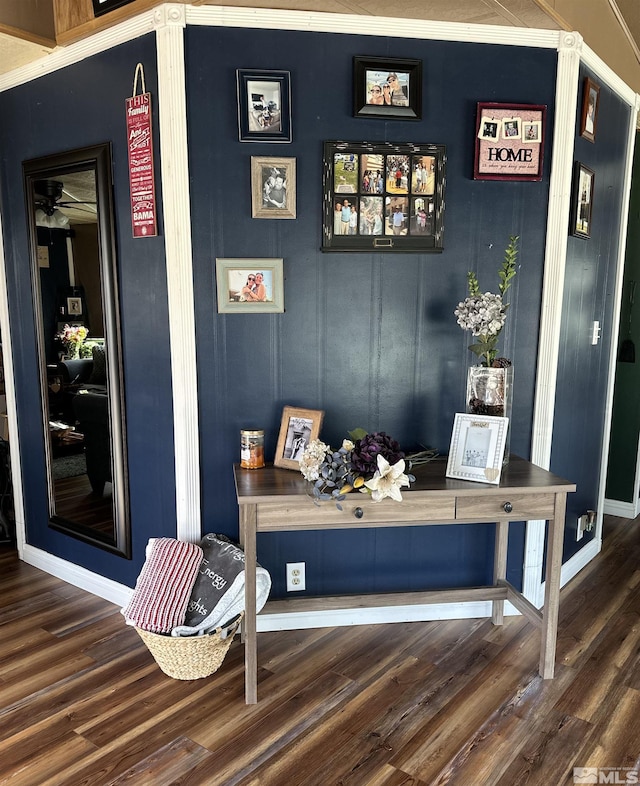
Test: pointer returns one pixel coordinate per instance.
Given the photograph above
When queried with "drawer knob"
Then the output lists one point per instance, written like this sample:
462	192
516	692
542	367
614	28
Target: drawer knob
358	513
507	507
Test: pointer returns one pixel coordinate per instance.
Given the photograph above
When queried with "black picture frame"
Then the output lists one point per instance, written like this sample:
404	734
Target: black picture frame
396	191
369	73
264	105
104	6
582	200
590	105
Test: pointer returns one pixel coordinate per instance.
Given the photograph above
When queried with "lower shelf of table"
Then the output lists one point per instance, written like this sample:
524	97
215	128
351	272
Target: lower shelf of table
502	591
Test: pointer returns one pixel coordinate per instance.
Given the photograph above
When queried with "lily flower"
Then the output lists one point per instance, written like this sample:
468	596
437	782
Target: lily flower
388	480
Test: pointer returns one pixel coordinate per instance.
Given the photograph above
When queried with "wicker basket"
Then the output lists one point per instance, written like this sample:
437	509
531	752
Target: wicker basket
190	657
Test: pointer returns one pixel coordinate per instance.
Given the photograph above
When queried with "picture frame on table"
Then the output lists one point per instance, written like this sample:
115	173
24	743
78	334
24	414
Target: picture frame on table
389	88
477	448
250	286
590	105
509	141
273	187
264	105
297	428
582	200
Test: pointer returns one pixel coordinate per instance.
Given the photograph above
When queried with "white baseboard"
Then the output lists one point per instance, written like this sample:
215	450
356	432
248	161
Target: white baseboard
77	576
614	507
119	594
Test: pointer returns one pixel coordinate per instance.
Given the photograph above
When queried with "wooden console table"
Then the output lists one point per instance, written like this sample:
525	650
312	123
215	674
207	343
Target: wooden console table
276	500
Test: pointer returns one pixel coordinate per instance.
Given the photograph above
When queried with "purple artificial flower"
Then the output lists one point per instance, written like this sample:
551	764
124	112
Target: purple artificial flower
364	456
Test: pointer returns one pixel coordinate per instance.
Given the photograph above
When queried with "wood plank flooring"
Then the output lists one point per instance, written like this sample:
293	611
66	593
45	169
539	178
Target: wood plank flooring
82	703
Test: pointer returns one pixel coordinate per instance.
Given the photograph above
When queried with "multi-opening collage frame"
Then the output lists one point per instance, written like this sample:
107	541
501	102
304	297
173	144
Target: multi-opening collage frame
383	197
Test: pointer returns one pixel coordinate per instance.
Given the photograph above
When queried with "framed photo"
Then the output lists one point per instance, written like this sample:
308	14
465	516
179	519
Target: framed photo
104	6
477	448
388	88
509	141
74	306
273	187
583	181
383	197
297	429
590	101
264	106
249	286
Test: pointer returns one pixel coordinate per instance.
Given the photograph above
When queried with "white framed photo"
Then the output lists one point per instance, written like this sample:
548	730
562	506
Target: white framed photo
477	448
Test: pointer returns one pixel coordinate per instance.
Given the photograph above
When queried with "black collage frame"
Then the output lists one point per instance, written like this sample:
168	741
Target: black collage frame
383	197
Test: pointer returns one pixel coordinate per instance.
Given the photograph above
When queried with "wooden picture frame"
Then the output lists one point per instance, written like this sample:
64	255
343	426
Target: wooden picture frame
477	448
237	294
509	141
273	187
582	200
389	88
297	428
383	196
264	105
590	105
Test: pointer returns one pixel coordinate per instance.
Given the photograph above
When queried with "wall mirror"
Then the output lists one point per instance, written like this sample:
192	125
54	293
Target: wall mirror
77	316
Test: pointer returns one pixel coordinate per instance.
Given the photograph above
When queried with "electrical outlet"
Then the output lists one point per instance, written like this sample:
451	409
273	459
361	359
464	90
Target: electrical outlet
295	577
581	527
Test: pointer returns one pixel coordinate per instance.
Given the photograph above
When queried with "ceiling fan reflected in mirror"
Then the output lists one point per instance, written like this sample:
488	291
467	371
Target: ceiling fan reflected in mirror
59	204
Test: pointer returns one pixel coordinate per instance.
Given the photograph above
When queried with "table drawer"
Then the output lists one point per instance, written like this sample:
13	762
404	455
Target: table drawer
523	507
300	515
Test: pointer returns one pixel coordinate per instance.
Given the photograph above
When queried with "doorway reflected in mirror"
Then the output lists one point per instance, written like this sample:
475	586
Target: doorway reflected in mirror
70	217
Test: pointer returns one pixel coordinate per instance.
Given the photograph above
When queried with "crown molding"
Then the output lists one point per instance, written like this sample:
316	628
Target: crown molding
389	27
75	53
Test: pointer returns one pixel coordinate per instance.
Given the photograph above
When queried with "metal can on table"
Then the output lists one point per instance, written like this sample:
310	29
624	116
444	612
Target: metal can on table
252	449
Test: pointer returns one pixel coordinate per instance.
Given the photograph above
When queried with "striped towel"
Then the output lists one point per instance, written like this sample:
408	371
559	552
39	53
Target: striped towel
160	598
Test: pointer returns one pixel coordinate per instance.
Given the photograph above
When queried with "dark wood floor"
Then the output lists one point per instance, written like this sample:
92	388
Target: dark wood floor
459	703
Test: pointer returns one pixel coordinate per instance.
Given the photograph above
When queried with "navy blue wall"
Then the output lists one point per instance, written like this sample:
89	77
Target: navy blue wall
590	277
371	339
79	106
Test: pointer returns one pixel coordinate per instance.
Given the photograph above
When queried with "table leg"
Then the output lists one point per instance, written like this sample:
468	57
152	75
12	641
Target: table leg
500	568
248	523
555	540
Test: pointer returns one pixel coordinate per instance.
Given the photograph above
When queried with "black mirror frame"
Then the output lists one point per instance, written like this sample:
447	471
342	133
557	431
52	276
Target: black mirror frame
97	158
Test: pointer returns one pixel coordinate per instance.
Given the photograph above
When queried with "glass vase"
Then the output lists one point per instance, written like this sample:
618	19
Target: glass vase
489	392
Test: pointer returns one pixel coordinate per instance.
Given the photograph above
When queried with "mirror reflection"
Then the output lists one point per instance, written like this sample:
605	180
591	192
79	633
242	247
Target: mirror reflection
77	313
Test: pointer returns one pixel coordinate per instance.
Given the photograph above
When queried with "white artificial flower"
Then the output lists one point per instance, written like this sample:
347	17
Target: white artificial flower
312	458
347	444
388	480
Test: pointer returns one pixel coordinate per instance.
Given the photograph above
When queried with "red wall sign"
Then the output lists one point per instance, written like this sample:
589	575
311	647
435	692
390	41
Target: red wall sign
141	177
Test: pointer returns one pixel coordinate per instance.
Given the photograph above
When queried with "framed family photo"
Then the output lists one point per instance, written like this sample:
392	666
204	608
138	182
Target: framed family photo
387	88
477	448
383	196
582	199
273	187
589	117
246	286
297	428
509	141
264	106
